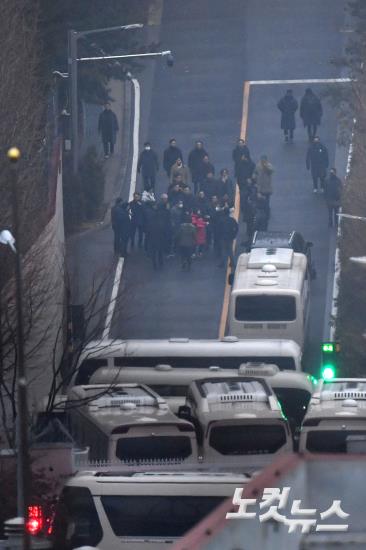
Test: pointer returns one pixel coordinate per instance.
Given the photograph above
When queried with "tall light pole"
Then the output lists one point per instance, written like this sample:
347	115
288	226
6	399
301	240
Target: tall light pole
23	471
73	37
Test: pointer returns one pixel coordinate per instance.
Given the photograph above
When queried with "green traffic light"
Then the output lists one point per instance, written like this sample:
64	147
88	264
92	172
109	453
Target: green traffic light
328	348
328	372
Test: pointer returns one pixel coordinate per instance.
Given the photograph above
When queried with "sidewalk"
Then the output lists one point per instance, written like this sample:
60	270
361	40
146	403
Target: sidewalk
91	248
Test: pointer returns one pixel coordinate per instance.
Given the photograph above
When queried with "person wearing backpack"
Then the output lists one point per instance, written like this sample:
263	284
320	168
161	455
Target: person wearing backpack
333	194
311	112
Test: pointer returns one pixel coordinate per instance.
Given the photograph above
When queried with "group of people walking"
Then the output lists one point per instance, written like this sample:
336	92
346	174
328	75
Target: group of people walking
317	158
197	211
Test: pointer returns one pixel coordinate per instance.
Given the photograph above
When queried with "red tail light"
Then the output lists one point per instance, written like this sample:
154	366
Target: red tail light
35	520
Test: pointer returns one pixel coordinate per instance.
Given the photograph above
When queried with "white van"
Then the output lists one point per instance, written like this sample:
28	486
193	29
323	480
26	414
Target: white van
137	511
336	418
128	423
229	352
270	295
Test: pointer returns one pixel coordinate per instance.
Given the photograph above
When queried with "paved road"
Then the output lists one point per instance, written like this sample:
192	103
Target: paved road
218	45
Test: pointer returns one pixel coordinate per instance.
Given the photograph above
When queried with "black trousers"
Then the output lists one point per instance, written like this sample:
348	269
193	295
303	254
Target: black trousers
318	175
289	133
157	257
140	234
186	256
120	243
149	180
108	146
332	213
226	251
311	128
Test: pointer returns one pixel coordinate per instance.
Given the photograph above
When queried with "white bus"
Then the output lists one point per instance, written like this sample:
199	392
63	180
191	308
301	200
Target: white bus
293	389
336	418
137	511
270	295
237	420
129	423
229	352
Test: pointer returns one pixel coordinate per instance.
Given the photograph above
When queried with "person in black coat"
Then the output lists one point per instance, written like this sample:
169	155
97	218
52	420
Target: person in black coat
175	194
171	155
205	168
240	150
245	170
156	228
210	185
225	186
227	232
108	128
136	210
317	160
333	194
288	107
148	166
311	112
195	159
201	203
121	225
261	214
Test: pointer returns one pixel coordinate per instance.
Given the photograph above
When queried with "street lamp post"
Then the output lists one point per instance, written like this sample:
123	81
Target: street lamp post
73	37
23	472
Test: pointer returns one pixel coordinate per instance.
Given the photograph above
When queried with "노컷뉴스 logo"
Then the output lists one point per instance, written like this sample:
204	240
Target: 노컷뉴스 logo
275	499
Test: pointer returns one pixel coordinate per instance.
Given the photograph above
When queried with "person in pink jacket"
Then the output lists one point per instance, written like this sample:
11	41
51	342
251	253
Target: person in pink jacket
200	224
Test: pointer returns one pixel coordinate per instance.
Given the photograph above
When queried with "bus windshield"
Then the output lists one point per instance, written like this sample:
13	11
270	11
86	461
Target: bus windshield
265	307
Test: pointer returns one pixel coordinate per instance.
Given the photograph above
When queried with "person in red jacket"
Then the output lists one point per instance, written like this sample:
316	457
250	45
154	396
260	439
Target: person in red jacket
200	224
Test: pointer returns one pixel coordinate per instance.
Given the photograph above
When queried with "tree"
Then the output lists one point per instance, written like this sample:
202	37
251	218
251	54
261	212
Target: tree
50	361
350	100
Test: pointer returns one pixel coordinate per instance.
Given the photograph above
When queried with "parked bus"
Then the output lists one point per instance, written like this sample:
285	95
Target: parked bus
270	296
293	389
227	353
129	423
336	418
237	419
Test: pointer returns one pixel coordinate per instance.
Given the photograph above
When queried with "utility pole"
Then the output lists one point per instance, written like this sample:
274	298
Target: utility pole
73	72
23	470
72	62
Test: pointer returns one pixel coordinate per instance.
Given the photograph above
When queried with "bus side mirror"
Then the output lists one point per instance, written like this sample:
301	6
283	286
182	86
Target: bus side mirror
309	244
185	412
230	279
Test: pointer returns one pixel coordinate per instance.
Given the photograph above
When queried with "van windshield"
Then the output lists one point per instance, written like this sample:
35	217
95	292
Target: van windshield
153	448
330	441
265	307
156	516
244	439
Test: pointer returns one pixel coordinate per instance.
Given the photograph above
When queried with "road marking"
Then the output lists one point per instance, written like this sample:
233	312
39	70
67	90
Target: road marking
113	300
244	119
243	135
121	261
136	133
303	81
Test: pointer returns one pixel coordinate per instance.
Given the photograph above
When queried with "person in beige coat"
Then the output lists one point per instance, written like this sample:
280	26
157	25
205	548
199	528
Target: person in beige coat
179	168
263	178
